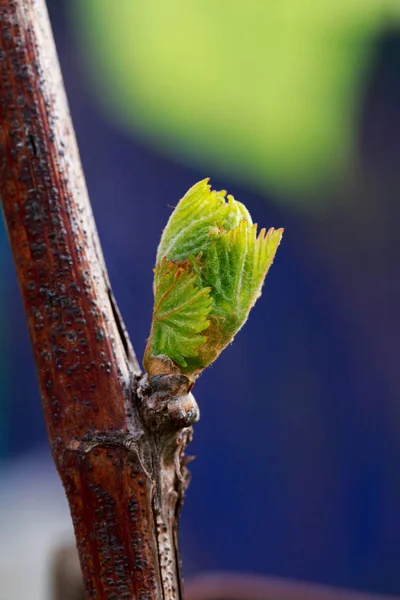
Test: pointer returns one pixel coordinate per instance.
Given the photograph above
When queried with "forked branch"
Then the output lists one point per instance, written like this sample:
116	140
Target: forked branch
123	473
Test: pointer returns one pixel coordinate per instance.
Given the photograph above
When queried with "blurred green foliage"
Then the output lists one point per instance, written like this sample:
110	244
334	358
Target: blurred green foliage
268	90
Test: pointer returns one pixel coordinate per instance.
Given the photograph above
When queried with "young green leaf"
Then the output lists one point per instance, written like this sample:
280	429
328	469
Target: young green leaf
210	268
181	307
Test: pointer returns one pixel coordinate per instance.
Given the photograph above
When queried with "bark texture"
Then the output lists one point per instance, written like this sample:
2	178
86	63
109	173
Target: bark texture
119	454
67	585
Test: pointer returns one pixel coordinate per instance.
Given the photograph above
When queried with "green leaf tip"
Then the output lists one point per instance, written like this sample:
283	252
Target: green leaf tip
210	268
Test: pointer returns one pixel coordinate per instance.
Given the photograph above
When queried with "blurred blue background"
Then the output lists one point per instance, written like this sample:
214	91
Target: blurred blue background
294	107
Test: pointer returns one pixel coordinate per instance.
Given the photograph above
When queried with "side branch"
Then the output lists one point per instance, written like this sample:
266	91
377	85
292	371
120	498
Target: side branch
123	473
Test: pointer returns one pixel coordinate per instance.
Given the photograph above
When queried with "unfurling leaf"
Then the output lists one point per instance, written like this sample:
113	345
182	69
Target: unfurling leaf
210	268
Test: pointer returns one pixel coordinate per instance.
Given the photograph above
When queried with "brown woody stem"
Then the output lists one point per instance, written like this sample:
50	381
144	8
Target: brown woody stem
120	457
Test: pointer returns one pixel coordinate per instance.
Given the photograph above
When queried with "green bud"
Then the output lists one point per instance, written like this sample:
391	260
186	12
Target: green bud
210	268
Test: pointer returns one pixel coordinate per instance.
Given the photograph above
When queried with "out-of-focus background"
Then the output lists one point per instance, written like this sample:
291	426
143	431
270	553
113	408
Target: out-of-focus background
294	107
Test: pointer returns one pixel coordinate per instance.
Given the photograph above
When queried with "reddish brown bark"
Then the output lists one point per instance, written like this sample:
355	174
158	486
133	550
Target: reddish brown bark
67	585
123	478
